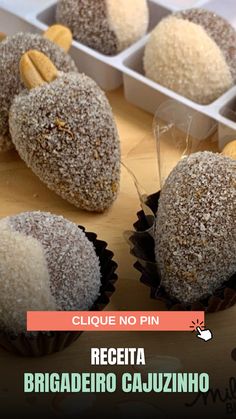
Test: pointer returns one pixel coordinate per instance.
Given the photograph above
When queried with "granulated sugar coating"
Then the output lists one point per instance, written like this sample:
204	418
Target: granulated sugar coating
108	26
65	132
195	235
219	30
55	267
11	51
182	56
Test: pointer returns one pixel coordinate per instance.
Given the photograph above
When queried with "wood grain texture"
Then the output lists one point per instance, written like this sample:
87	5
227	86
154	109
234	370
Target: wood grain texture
20	190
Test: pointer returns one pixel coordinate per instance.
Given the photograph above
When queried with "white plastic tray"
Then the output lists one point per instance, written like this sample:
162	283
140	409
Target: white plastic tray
143	92
104	69
175	5
126	67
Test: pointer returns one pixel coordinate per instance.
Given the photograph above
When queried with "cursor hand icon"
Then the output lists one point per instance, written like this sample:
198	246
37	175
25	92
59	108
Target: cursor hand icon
205	335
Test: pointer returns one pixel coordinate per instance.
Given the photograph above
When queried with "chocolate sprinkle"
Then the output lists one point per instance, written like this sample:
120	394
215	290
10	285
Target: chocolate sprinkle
195	235
89	24
11	51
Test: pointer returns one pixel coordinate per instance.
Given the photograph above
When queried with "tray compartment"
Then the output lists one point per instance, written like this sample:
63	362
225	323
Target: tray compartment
148	95
103	69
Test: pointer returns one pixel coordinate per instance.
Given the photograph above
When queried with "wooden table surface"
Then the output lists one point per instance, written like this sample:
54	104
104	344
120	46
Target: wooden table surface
20	190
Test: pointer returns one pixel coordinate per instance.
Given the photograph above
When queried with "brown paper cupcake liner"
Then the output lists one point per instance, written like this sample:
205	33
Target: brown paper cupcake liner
142	248
43	343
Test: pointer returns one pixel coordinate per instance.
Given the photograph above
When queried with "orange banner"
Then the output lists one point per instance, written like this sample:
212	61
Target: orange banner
115	321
